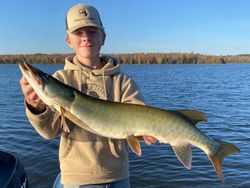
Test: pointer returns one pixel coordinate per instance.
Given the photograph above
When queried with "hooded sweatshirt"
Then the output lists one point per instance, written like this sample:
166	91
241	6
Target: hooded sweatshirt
84	157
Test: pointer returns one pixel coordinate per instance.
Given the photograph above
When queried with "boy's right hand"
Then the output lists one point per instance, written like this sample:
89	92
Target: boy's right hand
33	101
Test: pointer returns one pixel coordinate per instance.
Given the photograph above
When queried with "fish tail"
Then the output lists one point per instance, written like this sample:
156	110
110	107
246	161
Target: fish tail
216	159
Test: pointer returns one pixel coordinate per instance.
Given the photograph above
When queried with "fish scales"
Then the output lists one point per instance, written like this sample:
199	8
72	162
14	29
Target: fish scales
126	121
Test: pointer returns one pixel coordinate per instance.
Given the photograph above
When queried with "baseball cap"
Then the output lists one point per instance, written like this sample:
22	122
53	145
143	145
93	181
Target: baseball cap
82	15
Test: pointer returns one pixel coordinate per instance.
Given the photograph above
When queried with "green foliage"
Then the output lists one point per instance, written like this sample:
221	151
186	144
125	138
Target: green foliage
137	58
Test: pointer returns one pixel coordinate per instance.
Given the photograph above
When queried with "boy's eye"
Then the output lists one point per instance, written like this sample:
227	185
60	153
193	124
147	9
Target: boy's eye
79	33
82	32
92	31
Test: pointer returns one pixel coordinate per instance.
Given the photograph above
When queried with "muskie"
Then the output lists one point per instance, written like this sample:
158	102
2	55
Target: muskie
126	121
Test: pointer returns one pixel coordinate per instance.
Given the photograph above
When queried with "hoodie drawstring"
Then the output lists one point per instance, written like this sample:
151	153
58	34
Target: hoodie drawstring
80	81
86	76
104	84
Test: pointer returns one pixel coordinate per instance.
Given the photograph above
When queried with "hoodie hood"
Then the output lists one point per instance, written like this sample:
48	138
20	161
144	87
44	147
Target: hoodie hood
111	66
94	82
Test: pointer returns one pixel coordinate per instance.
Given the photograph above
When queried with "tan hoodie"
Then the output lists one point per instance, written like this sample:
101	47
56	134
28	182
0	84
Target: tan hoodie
86	158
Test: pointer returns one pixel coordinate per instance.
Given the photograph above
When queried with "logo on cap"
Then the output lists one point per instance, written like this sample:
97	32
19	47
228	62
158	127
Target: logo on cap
83	12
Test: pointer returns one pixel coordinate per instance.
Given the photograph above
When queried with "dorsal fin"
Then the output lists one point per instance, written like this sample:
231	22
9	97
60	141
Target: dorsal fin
193	115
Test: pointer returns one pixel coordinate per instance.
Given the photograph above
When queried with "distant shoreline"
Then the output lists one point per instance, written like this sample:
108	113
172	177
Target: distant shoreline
136	58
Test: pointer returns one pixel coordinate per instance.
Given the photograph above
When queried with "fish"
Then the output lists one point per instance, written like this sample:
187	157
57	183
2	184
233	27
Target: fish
130	121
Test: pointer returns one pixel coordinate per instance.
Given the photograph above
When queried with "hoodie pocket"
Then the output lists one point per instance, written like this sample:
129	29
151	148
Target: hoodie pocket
65	145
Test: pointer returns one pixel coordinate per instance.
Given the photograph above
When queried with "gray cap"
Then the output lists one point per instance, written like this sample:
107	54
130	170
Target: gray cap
82	15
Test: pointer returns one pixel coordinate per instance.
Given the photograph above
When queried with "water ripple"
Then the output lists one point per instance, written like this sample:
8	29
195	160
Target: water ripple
222	91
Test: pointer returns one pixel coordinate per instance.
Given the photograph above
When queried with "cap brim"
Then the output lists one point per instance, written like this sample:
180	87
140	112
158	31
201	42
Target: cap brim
72	29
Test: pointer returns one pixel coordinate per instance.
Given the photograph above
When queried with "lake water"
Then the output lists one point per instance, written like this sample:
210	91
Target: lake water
221	91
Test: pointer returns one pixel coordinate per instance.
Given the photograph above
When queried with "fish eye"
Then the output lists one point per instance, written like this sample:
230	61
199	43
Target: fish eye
45	77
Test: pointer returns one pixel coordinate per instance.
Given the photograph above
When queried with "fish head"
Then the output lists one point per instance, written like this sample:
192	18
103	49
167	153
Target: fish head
51	91
33	75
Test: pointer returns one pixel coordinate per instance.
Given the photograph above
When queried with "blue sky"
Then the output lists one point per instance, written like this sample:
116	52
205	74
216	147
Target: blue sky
214	27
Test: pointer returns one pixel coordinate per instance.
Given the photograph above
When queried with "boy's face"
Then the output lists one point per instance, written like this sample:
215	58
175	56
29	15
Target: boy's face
86	41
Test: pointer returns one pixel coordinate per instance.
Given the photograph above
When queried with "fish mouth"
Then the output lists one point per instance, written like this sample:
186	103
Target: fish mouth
29	71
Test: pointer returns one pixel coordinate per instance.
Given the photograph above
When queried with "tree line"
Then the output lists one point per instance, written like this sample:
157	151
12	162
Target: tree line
136	58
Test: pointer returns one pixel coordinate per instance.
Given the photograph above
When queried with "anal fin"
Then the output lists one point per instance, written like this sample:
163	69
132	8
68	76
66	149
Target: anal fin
184	154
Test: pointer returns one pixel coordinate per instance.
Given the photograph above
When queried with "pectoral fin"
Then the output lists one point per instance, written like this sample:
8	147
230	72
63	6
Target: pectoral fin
63	121
134	144
78	122
184	154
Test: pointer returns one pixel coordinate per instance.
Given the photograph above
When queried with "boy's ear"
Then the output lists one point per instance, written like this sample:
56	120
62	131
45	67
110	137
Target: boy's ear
103	38
68	40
